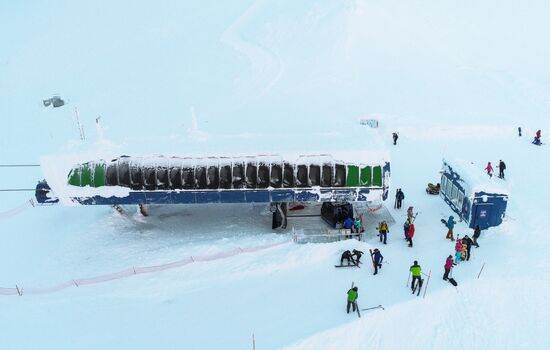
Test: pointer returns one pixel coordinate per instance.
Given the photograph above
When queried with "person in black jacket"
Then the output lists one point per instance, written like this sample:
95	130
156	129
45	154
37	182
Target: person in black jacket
468	241
347	256
395	137
501	168
399	196
477	233
357	254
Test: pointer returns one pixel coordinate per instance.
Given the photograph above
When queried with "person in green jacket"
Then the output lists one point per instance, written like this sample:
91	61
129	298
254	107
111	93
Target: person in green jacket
416	271
352	298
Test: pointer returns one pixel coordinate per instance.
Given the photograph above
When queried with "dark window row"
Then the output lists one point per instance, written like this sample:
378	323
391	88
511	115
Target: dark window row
239	175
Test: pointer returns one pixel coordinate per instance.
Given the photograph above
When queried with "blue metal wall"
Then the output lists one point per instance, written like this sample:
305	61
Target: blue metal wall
233	196
486	210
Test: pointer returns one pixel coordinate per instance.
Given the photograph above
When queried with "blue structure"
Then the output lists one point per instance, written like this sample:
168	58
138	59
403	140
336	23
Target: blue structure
476	198
250	179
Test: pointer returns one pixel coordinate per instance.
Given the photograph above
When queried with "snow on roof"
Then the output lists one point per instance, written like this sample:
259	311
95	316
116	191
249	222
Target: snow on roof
348	143
474	178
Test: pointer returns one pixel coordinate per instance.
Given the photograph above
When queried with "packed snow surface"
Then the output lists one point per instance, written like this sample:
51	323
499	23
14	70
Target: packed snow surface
455	80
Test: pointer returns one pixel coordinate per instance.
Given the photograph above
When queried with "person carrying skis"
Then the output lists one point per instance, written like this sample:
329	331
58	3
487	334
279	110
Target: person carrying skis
489	169
395	137
450	226
399	196
377	258
416	272
501	168
468	242
477	233
448	267
458	250
357	254
383	231
348	257
352	298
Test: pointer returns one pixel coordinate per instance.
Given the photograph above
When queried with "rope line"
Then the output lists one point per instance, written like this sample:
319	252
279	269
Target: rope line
15	211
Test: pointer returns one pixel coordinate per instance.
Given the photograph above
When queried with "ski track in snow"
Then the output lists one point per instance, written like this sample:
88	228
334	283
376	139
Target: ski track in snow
266	66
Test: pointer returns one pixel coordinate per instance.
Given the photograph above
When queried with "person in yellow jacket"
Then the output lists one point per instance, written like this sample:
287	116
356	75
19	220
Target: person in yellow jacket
416	272
352	298
383	231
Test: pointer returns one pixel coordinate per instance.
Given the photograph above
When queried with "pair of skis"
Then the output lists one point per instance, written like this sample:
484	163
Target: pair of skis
366	309
418	286
374	307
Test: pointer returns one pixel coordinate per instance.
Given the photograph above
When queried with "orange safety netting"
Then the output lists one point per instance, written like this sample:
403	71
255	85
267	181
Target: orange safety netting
18	290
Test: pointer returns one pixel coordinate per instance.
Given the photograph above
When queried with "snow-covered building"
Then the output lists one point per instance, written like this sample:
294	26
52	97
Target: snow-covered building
472	194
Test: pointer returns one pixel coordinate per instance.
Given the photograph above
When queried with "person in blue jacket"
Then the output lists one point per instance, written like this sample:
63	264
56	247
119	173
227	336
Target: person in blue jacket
376	260
348	223
450	226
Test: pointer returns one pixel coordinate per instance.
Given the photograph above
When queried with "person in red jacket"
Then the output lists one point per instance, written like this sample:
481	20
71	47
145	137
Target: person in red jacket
410	235
489	169
448	267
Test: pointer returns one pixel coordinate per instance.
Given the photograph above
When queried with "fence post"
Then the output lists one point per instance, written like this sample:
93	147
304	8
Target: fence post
253	342
428	281
480	270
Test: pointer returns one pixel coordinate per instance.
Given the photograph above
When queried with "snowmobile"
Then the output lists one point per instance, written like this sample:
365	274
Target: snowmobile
433	189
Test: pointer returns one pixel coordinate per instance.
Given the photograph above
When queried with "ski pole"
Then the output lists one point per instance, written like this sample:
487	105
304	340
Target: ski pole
408	278
481	270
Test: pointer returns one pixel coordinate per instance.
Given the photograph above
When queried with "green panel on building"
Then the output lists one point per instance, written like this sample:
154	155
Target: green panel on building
353	176
86	175
99	175
377	176
74	176
366	176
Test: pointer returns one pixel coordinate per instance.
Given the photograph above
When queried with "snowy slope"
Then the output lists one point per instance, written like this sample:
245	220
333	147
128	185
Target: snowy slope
456	80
